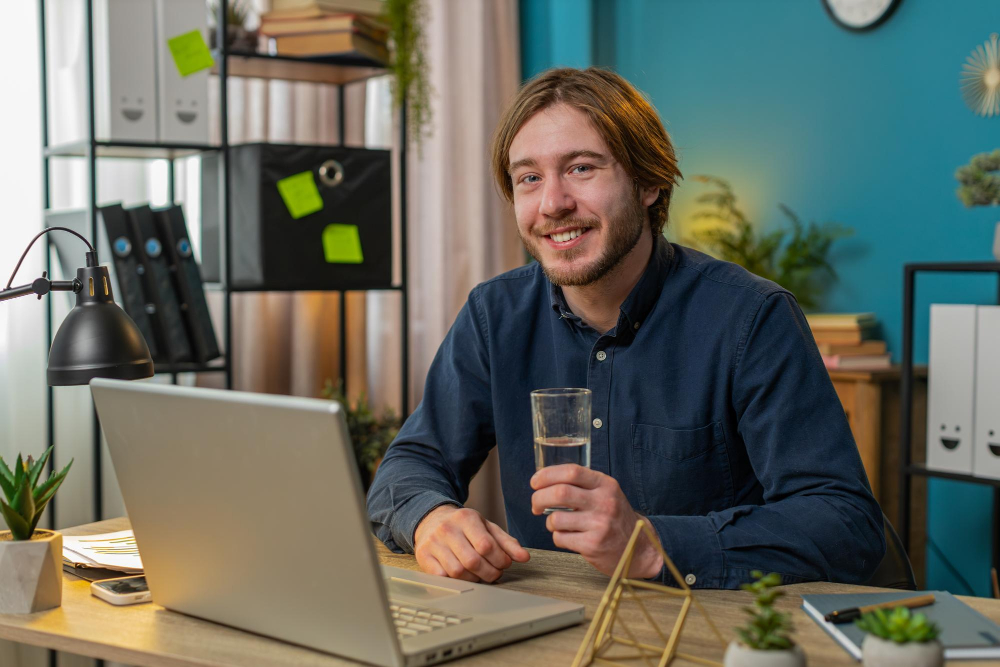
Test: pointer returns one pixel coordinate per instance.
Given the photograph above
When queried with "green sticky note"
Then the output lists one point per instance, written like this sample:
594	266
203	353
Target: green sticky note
300	194
190	52
342	245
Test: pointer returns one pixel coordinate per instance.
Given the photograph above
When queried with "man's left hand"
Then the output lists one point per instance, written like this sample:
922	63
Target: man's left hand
602	521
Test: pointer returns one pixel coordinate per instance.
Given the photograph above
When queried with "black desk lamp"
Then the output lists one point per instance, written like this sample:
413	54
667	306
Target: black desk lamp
97	338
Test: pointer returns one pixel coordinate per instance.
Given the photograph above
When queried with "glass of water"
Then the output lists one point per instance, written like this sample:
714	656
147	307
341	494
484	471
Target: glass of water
561	421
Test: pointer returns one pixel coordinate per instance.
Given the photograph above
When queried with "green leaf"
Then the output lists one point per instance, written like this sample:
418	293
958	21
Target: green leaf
51	484
5	473
36	470
24	501
18	472
19	528
8	487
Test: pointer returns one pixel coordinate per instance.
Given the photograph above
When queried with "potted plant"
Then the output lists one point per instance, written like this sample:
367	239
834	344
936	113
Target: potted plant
898	637
765	640
31	576
798	262
979	185
238	38
371	433
410	73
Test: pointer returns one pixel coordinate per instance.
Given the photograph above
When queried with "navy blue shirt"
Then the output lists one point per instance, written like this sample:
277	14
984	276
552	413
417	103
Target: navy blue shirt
717	419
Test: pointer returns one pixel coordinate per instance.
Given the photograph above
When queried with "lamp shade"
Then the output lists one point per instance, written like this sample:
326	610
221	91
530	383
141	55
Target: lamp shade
97	338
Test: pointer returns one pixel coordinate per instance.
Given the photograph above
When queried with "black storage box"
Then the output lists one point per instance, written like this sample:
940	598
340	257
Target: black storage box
273	251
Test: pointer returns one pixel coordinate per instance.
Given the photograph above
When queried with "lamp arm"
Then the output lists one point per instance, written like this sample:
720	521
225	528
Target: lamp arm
41	287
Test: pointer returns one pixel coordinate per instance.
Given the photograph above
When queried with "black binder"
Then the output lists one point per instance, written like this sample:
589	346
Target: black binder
187	280
158	285
127	271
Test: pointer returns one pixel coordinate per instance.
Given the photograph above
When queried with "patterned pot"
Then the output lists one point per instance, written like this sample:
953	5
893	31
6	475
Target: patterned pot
30	572
738	655
878	652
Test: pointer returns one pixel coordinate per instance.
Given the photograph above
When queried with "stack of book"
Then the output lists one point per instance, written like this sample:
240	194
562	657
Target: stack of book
328	27
846	341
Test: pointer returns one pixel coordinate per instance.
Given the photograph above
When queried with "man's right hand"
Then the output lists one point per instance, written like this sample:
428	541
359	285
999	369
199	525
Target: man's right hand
458	542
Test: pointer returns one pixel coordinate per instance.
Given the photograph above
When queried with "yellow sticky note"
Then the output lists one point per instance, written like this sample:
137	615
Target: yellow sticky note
190	52
300	194
342	245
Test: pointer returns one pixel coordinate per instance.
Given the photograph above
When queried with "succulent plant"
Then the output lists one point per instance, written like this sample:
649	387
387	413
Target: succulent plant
26	498
898	625
768	629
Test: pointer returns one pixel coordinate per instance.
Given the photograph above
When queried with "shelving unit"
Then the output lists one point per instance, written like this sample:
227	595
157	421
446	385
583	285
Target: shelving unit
907	469
336	70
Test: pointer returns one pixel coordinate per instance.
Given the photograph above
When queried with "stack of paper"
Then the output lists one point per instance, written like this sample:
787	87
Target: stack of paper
112	551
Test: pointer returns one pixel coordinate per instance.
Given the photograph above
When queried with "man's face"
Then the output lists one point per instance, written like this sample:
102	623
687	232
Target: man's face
577	210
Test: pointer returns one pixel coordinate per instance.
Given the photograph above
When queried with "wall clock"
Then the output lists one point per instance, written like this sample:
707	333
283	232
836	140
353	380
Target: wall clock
860	14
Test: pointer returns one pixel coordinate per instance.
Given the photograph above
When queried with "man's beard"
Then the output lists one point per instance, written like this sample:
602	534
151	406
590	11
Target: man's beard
624	231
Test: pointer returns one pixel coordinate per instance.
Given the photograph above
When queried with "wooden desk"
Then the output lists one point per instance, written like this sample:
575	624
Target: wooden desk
147	635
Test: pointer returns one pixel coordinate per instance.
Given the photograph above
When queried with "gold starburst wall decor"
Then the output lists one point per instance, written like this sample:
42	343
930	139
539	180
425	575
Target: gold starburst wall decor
980	79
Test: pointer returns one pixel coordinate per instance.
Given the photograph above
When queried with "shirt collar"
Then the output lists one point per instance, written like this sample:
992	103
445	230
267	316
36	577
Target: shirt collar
642	297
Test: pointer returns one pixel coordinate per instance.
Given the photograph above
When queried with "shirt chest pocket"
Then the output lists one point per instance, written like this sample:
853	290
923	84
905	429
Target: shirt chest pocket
681	472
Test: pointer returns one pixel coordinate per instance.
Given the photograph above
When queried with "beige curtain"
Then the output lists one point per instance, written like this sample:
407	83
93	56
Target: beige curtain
462	232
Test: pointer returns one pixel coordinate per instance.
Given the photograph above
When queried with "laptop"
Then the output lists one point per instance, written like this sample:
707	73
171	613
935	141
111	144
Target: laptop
248	511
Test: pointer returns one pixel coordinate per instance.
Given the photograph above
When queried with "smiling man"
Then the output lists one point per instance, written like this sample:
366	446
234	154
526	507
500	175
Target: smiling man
713	414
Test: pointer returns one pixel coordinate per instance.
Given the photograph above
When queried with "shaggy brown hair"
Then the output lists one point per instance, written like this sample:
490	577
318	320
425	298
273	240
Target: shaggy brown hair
621	114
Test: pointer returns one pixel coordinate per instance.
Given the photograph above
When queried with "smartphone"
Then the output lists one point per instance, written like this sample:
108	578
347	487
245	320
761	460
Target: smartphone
126	590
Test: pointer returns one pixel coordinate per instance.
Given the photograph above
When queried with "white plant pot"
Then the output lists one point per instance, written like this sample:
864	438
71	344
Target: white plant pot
739	655
877	652
30	572
996	243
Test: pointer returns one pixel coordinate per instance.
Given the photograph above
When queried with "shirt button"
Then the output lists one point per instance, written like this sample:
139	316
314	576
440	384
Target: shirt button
602	355
598	423
690	579
635	326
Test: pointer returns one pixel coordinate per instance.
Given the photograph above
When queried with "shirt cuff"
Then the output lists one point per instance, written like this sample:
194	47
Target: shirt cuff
693	545
408	516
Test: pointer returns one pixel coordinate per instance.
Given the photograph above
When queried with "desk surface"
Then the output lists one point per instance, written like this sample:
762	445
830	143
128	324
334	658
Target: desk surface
146	635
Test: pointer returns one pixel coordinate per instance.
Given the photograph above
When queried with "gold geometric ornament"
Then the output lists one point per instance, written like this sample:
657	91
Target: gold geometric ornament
980	78
601	638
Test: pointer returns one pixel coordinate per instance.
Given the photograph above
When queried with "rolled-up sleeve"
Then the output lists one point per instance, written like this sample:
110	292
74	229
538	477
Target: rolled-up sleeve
446	439
819	520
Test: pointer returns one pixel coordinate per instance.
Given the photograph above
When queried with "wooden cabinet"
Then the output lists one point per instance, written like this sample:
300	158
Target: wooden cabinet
872	403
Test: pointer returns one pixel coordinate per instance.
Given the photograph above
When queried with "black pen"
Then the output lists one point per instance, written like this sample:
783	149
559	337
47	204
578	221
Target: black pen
847	615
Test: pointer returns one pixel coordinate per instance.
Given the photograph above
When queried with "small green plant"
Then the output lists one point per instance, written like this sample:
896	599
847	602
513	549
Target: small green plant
768	629
371	434
898	625
26	498
979	181
237	12
410	81
798	262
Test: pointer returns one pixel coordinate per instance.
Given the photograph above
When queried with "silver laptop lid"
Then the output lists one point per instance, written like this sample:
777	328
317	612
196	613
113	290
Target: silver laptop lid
247	509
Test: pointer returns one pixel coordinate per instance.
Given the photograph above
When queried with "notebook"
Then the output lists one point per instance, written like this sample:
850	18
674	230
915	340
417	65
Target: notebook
965	633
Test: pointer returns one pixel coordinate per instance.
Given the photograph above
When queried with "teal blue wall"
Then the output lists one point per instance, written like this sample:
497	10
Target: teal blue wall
866	129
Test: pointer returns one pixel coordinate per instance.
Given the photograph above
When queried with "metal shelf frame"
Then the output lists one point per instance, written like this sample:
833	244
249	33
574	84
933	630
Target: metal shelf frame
336	70
907	469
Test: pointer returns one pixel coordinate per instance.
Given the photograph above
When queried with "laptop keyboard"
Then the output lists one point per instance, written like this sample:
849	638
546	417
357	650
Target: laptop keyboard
412	620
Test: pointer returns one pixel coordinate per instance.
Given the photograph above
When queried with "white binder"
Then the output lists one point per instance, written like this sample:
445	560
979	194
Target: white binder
951	388
124	70
183	101
986	434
